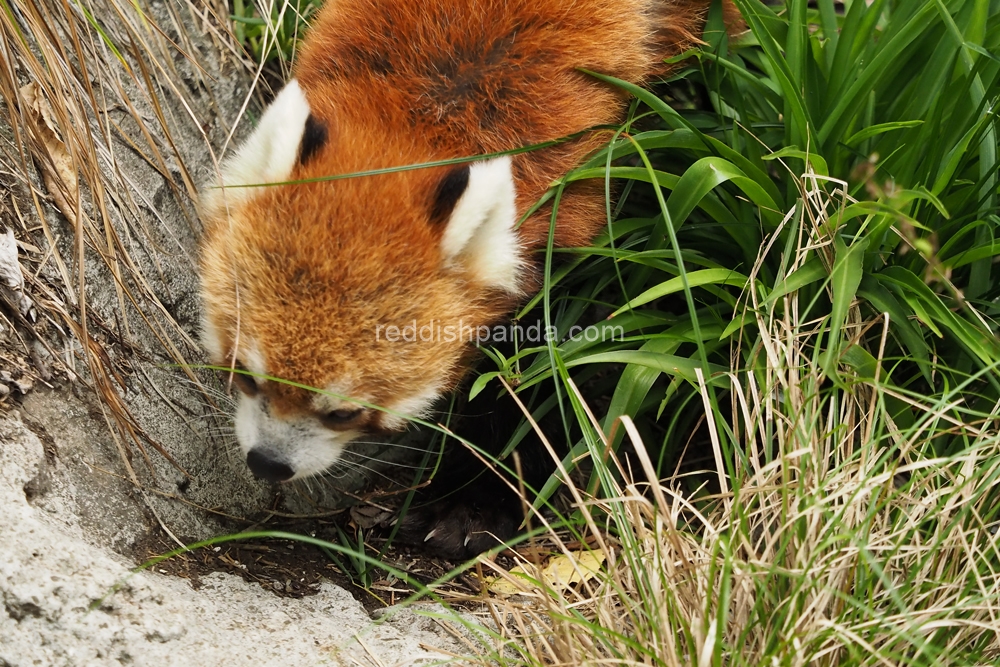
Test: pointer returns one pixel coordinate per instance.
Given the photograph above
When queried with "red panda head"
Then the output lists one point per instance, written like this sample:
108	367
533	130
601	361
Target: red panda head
368	289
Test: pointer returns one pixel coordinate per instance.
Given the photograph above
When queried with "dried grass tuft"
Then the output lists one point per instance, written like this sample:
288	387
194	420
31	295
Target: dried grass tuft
83	84
836	538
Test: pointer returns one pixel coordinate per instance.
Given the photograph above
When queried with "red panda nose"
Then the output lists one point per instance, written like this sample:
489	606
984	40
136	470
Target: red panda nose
268	467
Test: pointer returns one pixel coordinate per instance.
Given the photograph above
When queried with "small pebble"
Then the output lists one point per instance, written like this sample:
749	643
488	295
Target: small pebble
4	391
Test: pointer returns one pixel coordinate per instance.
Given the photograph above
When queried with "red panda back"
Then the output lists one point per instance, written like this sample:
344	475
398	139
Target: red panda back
473	77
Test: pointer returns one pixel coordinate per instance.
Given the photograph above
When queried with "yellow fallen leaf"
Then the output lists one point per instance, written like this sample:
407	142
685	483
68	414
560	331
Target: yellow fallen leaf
564	571
57	172
560	573
500	585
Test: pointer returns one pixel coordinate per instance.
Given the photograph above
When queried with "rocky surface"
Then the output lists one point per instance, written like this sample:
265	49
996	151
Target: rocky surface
67	602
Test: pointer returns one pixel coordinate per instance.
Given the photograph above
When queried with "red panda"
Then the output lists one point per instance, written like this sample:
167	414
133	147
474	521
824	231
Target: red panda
306	281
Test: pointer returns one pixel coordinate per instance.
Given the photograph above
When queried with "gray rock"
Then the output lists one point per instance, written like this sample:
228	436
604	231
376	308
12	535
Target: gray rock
69	602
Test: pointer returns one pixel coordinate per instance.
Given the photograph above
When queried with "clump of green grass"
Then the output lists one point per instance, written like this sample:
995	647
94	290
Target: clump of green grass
271	29
835	537
917	154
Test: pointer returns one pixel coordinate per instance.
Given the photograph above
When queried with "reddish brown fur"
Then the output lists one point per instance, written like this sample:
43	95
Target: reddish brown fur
470	77
319	266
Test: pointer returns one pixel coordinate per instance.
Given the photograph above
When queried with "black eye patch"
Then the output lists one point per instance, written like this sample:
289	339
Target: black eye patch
243	380
449	191
314	137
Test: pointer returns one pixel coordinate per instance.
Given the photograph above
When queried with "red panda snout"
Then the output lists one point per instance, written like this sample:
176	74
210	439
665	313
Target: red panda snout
281	447
268	467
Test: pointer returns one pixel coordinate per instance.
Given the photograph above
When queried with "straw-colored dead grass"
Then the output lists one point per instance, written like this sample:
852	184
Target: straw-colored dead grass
835	538
82	85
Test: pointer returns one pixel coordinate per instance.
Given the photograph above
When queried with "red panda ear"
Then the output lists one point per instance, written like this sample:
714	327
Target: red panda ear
314	137
480	235
269	155
449	191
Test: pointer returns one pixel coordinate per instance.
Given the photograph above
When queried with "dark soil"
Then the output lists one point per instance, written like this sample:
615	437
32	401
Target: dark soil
295	569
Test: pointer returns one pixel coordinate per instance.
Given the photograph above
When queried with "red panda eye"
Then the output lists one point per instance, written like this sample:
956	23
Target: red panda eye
340	418
243	381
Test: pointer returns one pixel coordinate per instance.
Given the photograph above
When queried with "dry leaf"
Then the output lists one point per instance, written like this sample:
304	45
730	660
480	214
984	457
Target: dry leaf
561	572
58	172
367	516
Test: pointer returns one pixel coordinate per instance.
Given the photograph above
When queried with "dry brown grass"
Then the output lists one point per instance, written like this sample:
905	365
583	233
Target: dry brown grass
840	538
83	85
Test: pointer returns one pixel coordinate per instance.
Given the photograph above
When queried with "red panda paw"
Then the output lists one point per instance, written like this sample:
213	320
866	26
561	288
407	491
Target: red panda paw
460	528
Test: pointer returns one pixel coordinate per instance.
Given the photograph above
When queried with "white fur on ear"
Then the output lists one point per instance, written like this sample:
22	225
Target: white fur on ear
480	234
269	155
210	339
